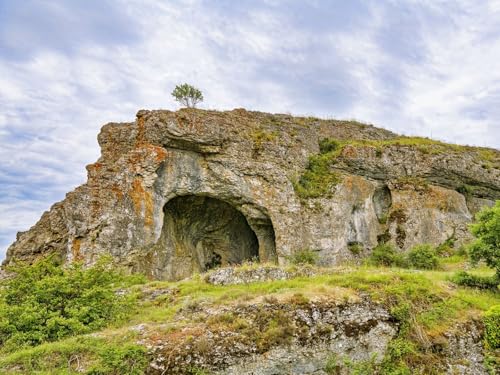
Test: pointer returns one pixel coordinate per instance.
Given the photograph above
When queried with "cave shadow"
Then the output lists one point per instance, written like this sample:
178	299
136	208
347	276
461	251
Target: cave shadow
201	233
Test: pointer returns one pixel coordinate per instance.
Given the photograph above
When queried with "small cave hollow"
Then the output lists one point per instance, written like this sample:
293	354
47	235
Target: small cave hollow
201	233
382	202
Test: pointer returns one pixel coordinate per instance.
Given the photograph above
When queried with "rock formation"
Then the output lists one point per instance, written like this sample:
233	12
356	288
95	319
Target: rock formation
179	192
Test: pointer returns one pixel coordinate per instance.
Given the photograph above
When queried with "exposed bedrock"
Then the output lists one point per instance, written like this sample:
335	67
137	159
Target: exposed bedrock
179	192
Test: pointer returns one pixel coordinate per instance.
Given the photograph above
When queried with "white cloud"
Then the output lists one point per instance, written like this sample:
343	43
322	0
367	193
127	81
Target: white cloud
414	67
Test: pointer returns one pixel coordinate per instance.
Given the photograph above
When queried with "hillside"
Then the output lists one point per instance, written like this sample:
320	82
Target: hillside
258	185
241	242
295	320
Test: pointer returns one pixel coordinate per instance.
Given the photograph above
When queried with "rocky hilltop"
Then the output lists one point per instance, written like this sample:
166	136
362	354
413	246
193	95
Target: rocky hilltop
180	192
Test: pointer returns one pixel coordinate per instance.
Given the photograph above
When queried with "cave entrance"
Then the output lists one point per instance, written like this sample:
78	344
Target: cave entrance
201	233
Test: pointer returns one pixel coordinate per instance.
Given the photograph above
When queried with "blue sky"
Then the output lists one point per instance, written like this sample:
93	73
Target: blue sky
428	68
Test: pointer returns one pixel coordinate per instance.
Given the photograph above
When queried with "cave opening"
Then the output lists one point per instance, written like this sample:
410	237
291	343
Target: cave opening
201	233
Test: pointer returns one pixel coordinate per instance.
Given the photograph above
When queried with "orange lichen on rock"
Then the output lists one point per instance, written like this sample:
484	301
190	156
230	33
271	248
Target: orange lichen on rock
140	131
75	249
142	200
146	154
93	170
444	200
358	185
115	188
159	153
349	152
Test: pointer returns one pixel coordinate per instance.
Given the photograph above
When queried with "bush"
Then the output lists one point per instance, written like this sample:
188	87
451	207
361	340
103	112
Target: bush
385	255
355	247
304	257
423	257
473	281
492	327
328	145
46	302
487	232
318	179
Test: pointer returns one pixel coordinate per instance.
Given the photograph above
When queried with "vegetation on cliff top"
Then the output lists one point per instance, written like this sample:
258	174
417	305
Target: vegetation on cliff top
319	177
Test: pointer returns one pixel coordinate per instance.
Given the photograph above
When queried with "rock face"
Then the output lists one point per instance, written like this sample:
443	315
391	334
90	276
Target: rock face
179	192
305	338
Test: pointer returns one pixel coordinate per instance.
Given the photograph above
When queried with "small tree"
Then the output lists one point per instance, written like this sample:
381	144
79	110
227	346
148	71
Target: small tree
487	232
187	95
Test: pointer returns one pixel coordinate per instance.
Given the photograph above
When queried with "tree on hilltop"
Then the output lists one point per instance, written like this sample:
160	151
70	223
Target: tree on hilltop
187	95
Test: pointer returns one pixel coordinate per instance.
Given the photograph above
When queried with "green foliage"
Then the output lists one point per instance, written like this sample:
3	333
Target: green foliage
384	254
486	229
492	327
361	367
355	247
335	365
261	136
328	145
318	179
332	366
187	95
277	331
46	302
304	257
475	281
127	359
90	355
423	257
465	189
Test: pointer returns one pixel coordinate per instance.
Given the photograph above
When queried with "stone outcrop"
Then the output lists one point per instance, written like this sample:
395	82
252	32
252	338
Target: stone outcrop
179	192
273	338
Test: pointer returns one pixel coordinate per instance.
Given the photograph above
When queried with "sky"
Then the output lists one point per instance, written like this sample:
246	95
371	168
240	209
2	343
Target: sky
427	68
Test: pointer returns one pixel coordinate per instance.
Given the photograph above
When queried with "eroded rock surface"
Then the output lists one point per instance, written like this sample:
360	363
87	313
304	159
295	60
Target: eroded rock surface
248	162
273	338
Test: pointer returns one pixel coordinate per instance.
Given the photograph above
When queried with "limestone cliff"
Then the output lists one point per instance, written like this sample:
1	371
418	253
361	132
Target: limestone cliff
179	192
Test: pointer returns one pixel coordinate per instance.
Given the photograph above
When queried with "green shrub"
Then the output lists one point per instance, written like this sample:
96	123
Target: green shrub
487	232
474	281
386	255
328	145
318	179
492	327
355	247
446	248
304	257
423	257
46	302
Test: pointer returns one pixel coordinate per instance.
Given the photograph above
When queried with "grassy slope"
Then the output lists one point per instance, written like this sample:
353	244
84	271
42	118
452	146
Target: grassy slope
426	300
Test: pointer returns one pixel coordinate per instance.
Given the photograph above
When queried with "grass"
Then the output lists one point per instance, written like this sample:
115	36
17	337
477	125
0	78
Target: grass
70	356
319	177
426	303
425	145
385	285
